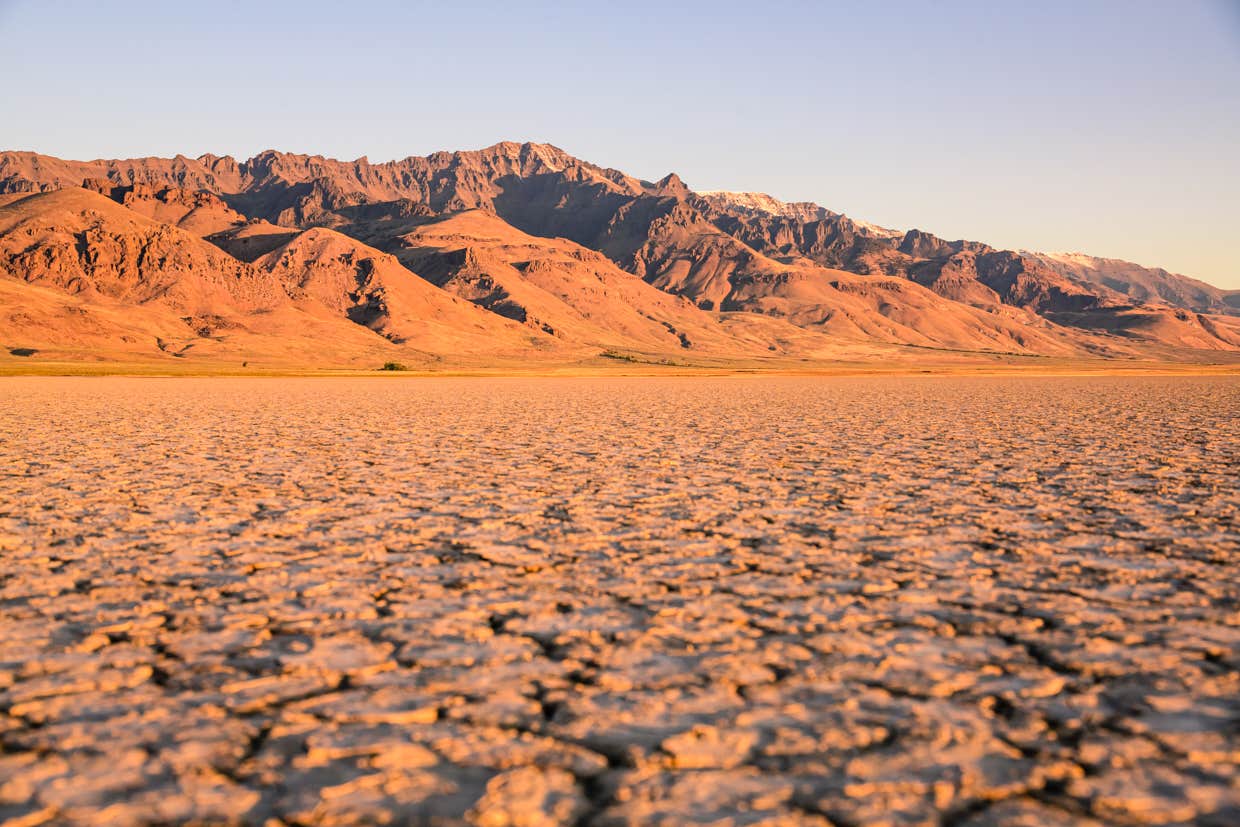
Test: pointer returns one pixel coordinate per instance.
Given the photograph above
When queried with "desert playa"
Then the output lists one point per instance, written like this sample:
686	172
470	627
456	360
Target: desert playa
620	601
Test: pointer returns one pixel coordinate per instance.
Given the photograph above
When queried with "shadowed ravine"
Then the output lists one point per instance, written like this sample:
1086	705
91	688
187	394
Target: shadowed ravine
941	601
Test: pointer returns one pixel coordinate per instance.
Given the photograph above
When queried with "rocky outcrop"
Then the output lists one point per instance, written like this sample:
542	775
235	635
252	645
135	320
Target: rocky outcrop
80	242
197	211
370	288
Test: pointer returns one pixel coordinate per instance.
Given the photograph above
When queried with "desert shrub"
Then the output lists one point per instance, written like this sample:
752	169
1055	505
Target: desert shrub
394	366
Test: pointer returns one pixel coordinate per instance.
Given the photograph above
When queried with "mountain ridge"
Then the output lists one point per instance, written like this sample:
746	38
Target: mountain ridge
56	172
738	262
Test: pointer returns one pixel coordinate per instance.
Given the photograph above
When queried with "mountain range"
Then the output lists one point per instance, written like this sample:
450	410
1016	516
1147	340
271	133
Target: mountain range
520	254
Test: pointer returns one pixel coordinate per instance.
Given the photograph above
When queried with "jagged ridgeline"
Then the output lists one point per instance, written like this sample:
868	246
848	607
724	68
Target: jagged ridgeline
522	254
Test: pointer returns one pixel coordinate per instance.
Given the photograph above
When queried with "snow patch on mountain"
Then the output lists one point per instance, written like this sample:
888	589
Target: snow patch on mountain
801	210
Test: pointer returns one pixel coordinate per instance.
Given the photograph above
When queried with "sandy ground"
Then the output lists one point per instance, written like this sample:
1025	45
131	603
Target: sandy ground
852	601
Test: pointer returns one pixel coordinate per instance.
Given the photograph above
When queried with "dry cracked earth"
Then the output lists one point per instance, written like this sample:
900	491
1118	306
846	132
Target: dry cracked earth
775	601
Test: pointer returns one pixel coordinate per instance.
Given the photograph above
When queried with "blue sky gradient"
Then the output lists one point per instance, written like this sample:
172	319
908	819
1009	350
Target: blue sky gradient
1104	126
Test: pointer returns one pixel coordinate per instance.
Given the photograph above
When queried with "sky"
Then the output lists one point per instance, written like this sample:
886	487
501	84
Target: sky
1110	127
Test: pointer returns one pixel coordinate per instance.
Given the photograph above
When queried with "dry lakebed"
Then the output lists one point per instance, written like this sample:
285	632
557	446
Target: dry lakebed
620	601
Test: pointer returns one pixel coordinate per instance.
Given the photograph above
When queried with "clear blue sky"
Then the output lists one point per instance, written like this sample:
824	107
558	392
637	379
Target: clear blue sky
1108	127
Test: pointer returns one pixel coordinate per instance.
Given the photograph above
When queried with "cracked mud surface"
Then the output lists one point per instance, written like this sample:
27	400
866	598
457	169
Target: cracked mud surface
985	601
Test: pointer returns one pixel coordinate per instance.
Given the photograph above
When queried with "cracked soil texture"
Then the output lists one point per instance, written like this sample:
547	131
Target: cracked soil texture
749	601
